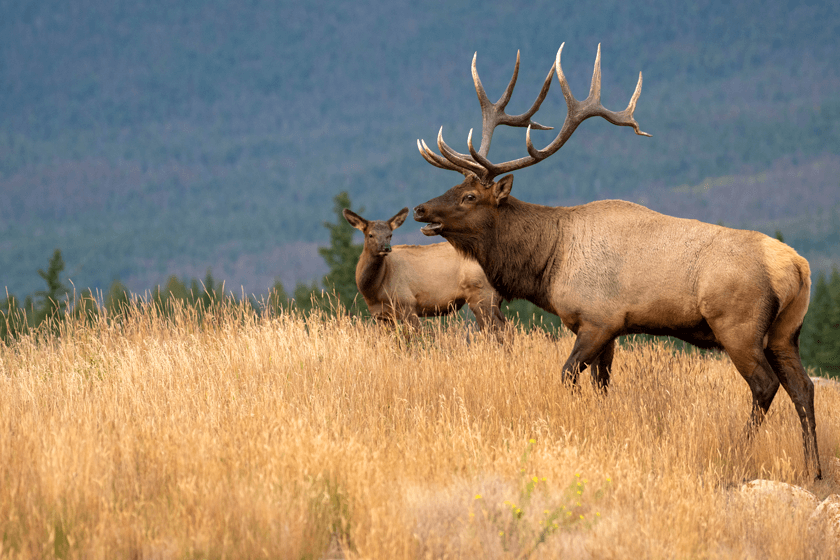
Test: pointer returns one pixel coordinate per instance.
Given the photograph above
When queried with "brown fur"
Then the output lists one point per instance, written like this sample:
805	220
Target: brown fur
406	282
611	268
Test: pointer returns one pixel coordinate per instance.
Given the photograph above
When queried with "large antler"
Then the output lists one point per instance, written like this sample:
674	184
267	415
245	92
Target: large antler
493	114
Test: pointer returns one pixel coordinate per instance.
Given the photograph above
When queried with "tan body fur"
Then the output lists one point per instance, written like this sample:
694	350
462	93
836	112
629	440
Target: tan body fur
619	264
428	281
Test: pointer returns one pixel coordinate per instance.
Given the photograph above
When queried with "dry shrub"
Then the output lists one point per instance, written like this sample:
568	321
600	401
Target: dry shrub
228	435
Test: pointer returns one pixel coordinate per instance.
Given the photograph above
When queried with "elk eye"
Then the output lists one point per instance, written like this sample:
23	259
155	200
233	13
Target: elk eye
469	198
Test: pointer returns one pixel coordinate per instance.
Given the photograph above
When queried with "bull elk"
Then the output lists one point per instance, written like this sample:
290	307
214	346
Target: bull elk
407	282
610	268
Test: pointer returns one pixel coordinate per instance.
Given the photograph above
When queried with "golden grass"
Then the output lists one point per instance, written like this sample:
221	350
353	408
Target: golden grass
234	436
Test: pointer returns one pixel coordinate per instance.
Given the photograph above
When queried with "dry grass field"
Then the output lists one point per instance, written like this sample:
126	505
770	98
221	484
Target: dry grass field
236	436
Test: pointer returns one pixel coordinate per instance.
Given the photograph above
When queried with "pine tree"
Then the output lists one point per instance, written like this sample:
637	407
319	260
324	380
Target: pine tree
54	299
86	307
117	299
210	294
176	289
12	318
820	340
307	297
828	354
342	254
278	300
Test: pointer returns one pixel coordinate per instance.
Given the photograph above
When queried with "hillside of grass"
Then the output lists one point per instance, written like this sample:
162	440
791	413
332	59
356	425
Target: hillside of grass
146	139
232	434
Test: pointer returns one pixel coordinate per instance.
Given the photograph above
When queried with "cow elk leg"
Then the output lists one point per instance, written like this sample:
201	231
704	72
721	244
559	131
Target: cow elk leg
488	316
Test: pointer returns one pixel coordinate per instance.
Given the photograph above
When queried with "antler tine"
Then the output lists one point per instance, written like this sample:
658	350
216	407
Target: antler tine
486	163
571	102
626	116
578	111
595	88
505	98
524	119
458	159
435	159
493	114
632	107
488	109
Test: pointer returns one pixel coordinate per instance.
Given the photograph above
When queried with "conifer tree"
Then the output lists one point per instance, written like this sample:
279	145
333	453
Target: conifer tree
12	318
820	340
53	299
306	296
278	300
210	293
86	307
117	298
342	254
176	289
828	354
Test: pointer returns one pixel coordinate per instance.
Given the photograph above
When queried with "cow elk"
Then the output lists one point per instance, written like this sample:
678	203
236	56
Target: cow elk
611	268
406	282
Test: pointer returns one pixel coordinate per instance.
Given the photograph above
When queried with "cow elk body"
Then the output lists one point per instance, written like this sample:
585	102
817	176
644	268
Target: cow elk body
611	268
406	282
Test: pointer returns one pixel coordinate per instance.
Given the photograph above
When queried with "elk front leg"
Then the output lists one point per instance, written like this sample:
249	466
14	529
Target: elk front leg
589	345
601	367
414	323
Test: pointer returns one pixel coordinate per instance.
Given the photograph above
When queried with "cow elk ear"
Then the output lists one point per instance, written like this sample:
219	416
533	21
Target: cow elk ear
501	188
354	219
398	220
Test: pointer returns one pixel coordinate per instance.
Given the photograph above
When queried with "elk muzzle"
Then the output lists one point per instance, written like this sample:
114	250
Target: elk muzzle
421	215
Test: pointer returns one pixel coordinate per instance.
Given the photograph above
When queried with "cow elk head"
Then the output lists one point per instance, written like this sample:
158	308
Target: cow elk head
377	232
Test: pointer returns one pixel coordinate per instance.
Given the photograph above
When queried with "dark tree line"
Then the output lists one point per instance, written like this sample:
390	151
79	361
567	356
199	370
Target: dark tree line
58	301
820	338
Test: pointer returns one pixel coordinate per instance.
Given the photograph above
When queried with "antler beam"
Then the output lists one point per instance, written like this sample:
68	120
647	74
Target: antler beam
493	115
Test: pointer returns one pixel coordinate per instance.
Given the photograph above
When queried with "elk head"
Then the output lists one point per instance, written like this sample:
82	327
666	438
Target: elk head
475	202
377	232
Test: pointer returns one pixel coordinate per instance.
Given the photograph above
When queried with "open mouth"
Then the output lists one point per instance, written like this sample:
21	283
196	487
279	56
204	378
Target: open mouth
432	228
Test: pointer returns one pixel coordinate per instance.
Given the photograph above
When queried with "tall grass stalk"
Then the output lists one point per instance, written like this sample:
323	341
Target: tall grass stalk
231	435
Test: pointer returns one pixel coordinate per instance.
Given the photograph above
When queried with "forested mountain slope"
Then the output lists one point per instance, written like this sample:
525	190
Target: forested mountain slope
150	138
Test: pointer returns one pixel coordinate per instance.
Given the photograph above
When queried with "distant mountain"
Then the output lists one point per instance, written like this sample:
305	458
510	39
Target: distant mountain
150	138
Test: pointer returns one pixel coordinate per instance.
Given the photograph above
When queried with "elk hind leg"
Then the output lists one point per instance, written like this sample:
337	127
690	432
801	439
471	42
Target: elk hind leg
783	356
782	351
753	366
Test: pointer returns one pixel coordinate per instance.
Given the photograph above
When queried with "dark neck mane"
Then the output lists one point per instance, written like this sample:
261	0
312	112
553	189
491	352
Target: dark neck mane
518	252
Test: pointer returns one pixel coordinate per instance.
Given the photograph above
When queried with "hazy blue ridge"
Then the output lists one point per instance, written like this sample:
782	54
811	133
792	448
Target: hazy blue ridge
152	138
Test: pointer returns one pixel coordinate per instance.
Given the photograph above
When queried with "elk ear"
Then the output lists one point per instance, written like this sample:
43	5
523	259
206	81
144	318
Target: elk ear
501	189
354	219
398	220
